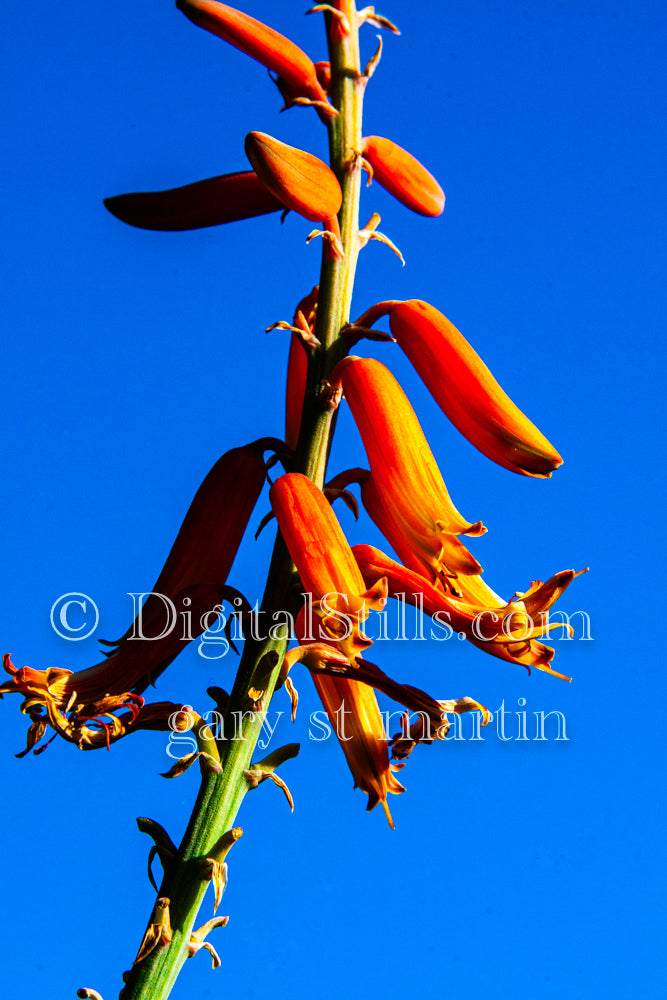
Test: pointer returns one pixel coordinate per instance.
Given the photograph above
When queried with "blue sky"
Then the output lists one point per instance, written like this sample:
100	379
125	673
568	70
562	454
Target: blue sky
132	360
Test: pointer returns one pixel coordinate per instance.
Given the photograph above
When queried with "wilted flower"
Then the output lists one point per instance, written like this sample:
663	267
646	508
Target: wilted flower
355	717
467	392
506	629
300	180
403	176
212	202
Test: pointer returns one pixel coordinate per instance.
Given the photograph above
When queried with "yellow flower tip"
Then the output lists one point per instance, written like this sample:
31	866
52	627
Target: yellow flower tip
258	40
387	813
467	392
403	176
300	180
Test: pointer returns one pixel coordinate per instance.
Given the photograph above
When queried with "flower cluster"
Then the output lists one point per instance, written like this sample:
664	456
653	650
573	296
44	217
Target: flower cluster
403	490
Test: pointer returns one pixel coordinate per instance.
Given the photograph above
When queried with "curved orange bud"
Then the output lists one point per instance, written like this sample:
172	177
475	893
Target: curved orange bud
212	202
297	369
409	484
324	561
300	180
403	176
467	392
257	40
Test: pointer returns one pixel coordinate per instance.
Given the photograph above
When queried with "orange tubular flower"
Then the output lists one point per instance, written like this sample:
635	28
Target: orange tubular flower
410	489
196	568
355	717
212	202
444	562
467	392
354	714
300	180
403	176
507	630
262	43
324	561
297	369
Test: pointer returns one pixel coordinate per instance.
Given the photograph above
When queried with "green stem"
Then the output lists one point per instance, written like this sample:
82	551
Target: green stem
220	795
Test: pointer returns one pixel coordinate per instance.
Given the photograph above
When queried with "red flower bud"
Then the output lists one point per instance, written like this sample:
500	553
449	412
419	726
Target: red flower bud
303	182
257	40
403	176
205	203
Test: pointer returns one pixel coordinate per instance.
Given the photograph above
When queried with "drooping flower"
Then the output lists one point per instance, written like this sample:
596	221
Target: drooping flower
178	609
212	202
467	392
348	694
508	630
212	530
410	491
262	43
403	176
300	180
355	716
324	561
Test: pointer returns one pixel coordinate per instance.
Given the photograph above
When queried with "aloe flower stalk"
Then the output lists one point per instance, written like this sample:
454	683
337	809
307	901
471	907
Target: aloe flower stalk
403	492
